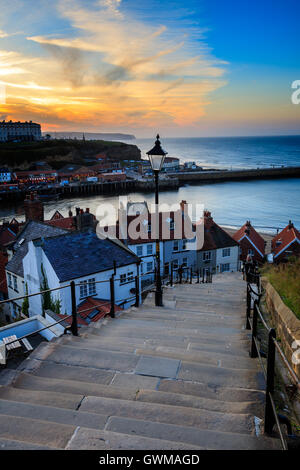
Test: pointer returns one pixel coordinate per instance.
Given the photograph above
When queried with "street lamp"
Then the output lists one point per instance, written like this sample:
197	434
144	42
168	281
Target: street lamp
156	157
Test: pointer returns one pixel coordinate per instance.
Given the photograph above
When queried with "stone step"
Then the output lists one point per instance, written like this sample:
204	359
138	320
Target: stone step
221	376
223	393
197	418
31	382
34	431
67	372
213	358
214	334
9	444
87	439
206	439
52	414
173	340
184	318
48	398
138	393
76	356
179	322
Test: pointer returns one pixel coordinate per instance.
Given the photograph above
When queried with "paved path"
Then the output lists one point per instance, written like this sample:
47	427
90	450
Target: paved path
177	377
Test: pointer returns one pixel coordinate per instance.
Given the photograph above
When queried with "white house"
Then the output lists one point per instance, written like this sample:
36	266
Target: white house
14	269
85	259
5	175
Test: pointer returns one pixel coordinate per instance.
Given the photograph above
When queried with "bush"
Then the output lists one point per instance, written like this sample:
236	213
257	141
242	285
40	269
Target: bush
285	278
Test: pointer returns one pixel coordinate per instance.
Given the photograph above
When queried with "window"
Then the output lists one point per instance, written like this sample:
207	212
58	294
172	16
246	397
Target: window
92	286
9	280
184	262
184	242
175	245
149	249
225	267
226	252
251	252
15	283
87	287
122	278
207	256
139	251
149	267
130	277
83	289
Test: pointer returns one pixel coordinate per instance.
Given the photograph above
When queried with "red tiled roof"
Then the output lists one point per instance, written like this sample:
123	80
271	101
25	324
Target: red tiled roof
91	305
66	223
255	237
57	215
7	236
286	237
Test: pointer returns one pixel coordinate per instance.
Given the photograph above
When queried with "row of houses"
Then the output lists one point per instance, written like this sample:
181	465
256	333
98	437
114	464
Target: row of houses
65	249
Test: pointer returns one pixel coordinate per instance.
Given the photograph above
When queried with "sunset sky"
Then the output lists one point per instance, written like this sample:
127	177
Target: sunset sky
185	68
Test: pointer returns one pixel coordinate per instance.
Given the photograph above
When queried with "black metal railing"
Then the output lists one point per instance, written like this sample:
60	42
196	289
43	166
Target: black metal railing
253	316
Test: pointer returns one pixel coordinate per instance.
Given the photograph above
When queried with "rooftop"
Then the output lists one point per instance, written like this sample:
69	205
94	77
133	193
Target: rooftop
81	254
31	231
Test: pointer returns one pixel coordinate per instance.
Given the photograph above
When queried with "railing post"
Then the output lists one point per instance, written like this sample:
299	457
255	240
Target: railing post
74	326
171	275
248	308
198	276
253	352
137	292
112	297
269	413
191	279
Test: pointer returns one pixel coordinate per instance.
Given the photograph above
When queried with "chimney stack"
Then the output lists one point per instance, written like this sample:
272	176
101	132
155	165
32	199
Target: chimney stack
33	208
291	225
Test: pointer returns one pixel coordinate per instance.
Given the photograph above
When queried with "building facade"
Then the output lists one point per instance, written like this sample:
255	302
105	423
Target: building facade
20	131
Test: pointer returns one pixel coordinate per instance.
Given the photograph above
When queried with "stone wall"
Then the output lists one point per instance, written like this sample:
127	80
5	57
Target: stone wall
286	324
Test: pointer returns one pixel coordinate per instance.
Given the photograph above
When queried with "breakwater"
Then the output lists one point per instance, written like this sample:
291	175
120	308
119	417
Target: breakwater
215	176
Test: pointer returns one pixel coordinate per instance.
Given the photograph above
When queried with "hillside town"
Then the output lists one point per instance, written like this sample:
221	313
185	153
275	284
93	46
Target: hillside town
30	252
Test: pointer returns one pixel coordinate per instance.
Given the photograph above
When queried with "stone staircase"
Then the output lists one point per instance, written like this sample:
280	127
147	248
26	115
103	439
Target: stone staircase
176	377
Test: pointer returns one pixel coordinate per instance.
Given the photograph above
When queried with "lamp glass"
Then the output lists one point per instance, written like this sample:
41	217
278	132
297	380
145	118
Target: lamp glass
156	162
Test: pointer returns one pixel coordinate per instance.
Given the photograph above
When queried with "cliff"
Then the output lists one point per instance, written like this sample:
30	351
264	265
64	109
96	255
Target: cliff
22	155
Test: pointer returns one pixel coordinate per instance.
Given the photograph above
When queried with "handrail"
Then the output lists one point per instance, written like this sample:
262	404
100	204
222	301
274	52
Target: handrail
271	417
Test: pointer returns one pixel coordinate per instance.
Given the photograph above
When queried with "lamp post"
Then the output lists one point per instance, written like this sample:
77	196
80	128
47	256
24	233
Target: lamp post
156	157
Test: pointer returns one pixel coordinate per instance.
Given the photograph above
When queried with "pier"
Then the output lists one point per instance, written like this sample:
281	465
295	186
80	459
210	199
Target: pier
215	176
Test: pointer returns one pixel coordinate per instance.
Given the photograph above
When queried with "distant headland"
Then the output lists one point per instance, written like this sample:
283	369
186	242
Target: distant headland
90	135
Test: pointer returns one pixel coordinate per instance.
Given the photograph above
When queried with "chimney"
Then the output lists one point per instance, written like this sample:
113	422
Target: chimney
84	221
182	204
207	214
87	210
70	213
33	208
291	225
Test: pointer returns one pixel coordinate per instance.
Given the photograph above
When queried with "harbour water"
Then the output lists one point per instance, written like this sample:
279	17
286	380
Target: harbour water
269	204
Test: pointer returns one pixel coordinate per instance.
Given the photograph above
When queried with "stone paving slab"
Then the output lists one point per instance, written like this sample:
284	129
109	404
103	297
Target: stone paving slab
157	367
134	382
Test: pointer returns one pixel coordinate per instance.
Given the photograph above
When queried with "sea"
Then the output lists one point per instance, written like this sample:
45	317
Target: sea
268	204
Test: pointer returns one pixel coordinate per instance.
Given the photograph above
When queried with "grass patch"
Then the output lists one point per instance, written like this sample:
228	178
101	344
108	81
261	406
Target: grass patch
285	278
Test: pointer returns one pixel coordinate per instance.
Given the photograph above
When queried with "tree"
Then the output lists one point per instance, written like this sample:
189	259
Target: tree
48	303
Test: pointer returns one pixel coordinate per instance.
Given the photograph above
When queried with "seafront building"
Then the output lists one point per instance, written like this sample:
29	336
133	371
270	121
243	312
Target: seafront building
251	243
220	252
286	243
20	131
